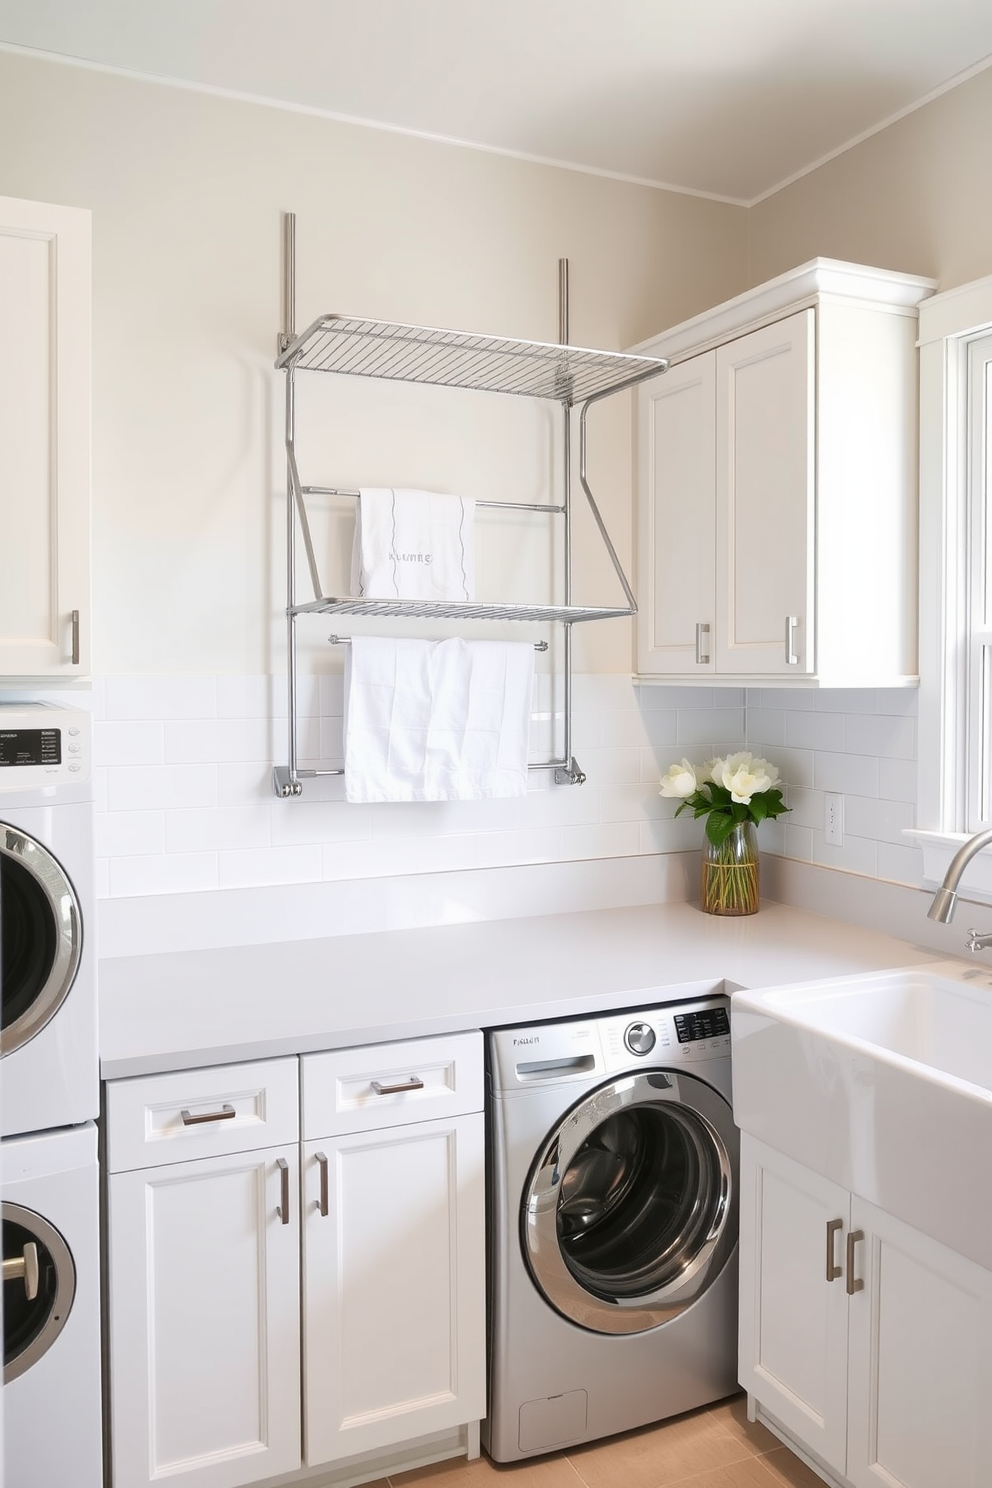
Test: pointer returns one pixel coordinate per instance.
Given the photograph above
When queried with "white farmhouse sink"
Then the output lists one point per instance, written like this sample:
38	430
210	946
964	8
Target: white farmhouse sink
883	1083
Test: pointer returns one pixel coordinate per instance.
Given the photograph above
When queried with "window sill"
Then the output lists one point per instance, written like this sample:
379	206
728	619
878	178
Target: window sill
938	850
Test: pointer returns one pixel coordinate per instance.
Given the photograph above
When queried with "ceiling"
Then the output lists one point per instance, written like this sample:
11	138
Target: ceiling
717	97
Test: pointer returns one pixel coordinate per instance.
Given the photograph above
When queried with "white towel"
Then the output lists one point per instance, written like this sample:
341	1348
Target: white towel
413	545
436	720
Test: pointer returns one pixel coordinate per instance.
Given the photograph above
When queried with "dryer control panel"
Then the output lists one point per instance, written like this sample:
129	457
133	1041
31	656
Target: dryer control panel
41	744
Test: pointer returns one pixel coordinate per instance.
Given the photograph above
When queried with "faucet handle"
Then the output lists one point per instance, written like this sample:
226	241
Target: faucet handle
976	942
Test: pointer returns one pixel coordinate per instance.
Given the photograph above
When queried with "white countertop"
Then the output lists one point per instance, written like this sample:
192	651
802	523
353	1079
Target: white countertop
181	1009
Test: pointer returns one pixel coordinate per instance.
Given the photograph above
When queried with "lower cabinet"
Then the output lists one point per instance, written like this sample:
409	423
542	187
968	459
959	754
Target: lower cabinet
866	1341
220	1221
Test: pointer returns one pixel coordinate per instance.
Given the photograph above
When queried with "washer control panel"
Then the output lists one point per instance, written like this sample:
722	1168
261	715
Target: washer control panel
640	1038
680	1033
41	744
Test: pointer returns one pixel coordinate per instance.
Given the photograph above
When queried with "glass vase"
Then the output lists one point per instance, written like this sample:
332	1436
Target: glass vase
730	873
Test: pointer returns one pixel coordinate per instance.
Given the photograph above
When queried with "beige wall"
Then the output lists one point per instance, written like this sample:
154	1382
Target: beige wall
186	192
914	198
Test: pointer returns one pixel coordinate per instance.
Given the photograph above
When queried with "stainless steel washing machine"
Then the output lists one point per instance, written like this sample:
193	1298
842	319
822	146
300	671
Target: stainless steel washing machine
613	1213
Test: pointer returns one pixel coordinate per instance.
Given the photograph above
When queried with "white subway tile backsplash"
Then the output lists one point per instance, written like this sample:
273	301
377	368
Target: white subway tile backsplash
184	797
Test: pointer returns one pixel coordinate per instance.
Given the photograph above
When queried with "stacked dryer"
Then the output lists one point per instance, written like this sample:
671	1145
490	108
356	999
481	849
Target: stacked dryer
49	1100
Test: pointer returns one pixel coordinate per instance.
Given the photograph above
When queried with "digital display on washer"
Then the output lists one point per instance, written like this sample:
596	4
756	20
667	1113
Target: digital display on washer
704	1024
30	747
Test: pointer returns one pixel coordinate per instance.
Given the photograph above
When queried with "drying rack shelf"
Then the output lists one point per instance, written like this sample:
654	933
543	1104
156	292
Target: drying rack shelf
490	364
427	609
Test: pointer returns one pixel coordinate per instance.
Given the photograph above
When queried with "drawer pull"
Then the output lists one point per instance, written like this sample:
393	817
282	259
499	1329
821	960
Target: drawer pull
24	1268
854	1284
225	1113
283	1209
833	1270
413	1083
321	1160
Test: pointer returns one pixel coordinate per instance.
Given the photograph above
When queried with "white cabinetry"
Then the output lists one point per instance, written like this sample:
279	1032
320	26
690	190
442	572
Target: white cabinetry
394	1244
862	1341
207	1265
203	1249
44	440
776	487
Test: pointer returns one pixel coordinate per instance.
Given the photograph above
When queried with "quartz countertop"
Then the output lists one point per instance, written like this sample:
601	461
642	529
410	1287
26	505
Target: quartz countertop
180	1009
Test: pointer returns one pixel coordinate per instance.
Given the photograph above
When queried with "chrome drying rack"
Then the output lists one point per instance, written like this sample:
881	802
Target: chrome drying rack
568	375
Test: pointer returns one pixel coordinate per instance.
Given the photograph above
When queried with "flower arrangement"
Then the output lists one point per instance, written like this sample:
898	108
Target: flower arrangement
727	791
734	794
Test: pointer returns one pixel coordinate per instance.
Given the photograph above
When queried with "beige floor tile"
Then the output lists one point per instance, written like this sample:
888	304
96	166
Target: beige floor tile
553	1471
657	1456
732	1414
750	1472
785	1467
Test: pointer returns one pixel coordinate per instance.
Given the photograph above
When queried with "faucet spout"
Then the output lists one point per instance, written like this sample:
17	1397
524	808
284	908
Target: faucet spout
944	901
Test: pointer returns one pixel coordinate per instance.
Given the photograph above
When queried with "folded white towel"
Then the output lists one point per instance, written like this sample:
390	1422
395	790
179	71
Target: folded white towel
413	545
436	720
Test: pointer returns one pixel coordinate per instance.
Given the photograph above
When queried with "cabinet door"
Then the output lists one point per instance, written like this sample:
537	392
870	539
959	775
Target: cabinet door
793	1319
44	439
920	1361
204	1320
676	442
393	1285
765	413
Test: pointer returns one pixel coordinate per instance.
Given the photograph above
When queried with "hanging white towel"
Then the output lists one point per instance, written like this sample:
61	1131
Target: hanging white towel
436	720
413	545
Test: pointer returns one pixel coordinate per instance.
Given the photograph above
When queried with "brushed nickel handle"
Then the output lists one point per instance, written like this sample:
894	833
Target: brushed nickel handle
321	1160
833	1270
791	621
702	629
283	1209
854	1284
24	1268
413	1083
225	1113
75	637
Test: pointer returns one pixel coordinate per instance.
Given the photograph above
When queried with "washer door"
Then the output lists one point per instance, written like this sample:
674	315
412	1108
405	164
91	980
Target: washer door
630	1211
40	937
39	1284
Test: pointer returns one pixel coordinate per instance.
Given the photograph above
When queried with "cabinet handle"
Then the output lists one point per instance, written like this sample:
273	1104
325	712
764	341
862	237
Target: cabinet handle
854	1284
75	637
411	1084
321	1160
225	1113
833	1271
791	621
283	1209
24	1267
702	629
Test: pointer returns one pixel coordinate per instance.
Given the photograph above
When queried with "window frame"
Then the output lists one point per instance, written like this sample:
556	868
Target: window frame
949	325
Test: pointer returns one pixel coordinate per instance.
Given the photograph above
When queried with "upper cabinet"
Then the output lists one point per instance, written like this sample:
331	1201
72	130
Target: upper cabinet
44	440
777	487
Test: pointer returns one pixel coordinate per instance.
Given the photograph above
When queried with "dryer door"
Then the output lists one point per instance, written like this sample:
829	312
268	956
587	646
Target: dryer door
39	1283
630	1211
40	937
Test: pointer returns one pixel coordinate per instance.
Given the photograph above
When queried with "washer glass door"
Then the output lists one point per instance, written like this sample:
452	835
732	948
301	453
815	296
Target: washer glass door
39	1283
40	937
630	1212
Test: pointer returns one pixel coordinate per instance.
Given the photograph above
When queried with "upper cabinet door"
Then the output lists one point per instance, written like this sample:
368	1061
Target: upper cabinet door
765	482
675	580
44	440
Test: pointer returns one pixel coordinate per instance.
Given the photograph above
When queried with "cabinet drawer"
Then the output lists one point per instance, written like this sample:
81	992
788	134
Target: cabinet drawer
352	1090
175	1117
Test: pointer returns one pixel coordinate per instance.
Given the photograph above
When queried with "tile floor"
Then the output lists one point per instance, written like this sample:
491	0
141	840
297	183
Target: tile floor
716	1447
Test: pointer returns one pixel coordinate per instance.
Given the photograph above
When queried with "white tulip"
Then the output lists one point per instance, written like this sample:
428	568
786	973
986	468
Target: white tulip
679	780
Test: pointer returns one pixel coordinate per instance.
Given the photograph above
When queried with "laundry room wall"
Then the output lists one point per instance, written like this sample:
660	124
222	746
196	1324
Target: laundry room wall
187	192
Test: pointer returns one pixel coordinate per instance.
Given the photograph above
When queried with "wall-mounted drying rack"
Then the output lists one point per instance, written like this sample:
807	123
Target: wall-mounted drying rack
357	347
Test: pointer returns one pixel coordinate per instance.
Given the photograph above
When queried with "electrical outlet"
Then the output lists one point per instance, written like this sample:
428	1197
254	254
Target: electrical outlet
833	819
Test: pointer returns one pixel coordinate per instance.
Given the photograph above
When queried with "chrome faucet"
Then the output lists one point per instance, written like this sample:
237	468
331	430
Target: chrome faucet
944	901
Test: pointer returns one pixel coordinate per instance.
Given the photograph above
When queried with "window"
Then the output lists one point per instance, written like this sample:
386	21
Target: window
955	711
